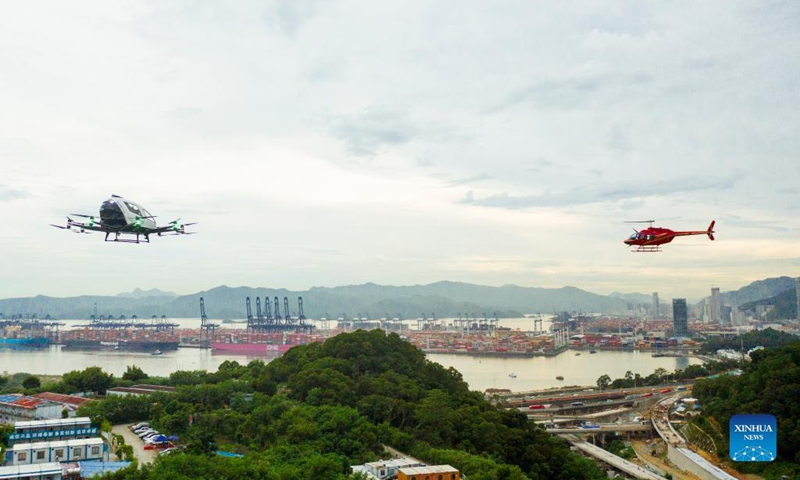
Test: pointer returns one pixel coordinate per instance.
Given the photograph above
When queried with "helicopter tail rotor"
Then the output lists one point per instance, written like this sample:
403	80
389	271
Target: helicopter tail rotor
710	231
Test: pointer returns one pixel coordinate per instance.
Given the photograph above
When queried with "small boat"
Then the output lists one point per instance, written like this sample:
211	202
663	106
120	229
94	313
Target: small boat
157	352
592	351
577	354
559	377
512	375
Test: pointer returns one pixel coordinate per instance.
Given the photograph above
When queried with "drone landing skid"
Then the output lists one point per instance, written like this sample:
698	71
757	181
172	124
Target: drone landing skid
647	249
138	239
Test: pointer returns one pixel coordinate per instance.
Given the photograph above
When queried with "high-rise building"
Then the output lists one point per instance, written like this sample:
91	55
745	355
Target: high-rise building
680	317
797	288
725	315
655	304
716	303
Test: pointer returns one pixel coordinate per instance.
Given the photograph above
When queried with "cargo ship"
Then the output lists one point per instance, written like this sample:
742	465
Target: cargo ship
128	339
128	345
24	343
262	344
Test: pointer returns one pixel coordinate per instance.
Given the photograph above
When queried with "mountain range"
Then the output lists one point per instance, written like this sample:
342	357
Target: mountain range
443	299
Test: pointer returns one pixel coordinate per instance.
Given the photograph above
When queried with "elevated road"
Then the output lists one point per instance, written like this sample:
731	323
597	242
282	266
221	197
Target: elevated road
679	451
620	464
604	428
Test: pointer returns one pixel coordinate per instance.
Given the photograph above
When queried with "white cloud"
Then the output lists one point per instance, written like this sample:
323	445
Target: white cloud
291	130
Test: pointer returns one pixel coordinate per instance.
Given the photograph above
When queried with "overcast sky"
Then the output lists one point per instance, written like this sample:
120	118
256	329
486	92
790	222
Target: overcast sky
341	142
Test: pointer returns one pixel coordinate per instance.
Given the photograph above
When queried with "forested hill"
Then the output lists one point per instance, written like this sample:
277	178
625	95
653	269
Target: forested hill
322	407
785	304
769	384
757	290
444	299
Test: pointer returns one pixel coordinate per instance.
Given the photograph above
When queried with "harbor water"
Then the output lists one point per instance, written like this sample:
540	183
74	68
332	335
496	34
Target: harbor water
479	372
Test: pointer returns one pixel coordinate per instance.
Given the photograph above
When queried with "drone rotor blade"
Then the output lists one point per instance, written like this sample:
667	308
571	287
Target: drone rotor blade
58	226
82	215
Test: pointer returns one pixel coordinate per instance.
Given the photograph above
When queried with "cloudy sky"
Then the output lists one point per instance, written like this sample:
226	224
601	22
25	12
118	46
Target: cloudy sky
341	142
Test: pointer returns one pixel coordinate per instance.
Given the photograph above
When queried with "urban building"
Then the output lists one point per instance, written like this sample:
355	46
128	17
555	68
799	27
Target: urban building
656	311
431	472
725	315
386	469
716	303
19	408
59	451
797	289
69	403
42	471
680	320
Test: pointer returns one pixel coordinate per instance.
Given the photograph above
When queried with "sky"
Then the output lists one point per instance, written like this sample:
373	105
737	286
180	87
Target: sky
338	142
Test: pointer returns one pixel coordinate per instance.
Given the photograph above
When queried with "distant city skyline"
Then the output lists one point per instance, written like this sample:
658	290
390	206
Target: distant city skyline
345	142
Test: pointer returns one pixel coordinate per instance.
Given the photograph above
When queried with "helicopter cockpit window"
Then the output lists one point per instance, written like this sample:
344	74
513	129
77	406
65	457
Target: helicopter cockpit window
633	236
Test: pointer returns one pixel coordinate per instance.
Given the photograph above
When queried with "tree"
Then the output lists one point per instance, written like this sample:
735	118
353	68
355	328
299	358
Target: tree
91	379
31	382
603	382
134	374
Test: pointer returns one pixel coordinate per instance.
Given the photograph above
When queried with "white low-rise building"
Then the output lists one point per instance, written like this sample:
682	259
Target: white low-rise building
60	451
385	469
44	471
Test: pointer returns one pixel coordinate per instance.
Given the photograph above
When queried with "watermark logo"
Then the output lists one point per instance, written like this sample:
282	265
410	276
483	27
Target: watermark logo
754	438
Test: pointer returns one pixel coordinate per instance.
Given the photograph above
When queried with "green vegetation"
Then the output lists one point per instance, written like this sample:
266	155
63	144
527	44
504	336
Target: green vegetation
621	449
134	374
767	338
784	305
31	382
768	384
323	407
662	377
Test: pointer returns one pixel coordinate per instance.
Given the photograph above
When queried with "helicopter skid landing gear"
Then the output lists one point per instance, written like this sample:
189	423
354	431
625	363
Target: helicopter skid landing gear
648	249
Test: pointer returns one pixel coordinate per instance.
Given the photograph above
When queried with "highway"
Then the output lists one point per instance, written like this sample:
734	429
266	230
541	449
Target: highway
620	464
669	435
604	428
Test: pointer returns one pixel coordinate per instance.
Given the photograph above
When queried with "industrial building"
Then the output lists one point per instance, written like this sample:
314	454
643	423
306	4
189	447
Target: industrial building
680	316
42	471
431	472
69	403
58	451
19	408
138	390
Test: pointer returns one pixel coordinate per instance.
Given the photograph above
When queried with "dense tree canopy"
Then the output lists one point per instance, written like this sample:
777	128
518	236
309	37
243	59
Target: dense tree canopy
767	338
323	407
768	384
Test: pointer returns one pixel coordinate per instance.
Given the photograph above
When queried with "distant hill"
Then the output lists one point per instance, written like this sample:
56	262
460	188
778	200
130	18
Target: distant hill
633	297
444	299
153	292
758	290
785	305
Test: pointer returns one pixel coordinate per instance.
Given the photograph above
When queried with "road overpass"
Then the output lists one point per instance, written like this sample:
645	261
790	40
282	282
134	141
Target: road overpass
616	462
604	428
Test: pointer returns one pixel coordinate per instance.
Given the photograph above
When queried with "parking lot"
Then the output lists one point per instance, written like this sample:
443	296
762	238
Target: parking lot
144	456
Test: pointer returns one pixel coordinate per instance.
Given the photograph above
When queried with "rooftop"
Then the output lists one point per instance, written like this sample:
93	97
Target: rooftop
429	469
61	398
22	401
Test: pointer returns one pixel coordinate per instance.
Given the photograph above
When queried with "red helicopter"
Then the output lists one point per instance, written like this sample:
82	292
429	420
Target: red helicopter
651	238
